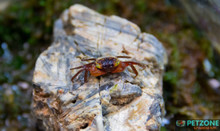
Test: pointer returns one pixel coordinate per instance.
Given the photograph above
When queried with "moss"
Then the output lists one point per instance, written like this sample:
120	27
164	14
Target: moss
114	88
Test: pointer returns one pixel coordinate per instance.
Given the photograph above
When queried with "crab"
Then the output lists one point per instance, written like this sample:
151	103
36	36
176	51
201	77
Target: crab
104	65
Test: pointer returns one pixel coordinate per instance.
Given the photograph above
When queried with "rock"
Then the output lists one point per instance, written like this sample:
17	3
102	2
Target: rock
113	102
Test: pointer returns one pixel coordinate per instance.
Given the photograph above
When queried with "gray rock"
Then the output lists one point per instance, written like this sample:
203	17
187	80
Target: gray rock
112	102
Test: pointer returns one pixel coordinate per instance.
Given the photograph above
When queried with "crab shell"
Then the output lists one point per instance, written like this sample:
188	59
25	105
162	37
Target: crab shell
107	64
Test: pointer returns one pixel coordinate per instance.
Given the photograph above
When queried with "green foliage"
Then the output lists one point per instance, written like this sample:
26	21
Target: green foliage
14	103
171	77
29	21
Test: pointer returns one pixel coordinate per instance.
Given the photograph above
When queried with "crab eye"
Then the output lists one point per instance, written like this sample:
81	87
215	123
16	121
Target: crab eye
99	66
117	63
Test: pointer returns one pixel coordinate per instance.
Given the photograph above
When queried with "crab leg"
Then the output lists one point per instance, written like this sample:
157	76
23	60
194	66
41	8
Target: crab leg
124	64
134	69
134	63
123	56
83	66
76	74
88	59
76	67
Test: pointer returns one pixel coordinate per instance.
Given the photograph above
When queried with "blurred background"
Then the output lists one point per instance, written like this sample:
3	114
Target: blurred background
189	30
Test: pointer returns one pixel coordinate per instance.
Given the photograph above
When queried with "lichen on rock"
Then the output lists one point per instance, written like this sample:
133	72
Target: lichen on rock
111	102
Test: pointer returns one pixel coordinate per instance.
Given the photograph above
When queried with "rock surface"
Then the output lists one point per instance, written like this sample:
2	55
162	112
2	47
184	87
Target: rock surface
113	102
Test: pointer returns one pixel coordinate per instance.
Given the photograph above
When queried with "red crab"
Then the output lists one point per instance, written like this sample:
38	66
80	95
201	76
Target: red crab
101	66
